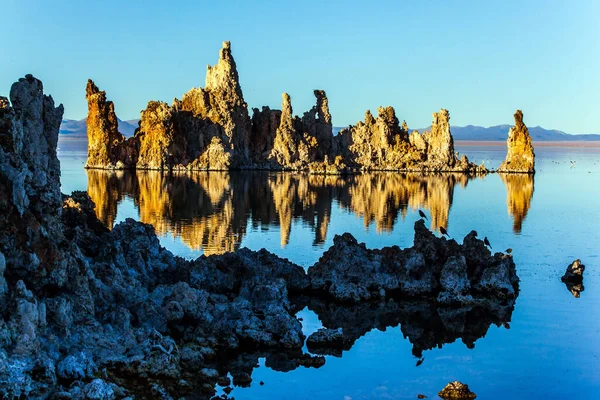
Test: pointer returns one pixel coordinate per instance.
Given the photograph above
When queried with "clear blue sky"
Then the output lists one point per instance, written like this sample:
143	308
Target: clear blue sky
479	59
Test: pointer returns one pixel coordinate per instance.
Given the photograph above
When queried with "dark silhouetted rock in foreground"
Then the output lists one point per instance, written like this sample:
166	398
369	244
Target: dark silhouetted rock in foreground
573	277
520	157
88	312
434	267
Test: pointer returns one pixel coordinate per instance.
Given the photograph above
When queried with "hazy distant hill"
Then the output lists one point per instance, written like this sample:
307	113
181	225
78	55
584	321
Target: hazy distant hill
500	132
74	128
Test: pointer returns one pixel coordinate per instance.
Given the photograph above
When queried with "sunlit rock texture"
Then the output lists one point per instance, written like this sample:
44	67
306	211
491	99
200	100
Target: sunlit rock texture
107	147
520	157
210	129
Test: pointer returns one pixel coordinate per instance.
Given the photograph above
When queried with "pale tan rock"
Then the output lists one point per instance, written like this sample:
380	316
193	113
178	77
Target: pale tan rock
440	144
520	156
285	152
160	146
106	145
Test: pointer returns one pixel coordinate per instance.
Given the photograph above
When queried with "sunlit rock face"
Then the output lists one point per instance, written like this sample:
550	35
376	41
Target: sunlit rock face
520	157
160	146
107	147
519	192
382	144
440	144
285	147
210	129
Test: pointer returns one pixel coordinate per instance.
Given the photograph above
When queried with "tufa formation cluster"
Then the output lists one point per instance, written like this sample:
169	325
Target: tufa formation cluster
210	129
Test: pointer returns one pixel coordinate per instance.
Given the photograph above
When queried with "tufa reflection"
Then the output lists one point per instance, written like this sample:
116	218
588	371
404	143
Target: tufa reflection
210	211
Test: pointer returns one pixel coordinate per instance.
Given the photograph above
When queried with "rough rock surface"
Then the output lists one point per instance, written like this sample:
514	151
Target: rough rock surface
435	267
382	144
520	157
210	129
86	312
456	391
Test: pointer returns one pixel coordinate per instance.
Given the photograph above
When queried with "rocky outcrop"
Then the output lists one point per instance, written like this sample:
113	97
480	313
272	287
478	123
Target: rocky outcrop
210	129
86	311
265	123
520	157
382	144
435	267
107	147
573	278
439	142
285	146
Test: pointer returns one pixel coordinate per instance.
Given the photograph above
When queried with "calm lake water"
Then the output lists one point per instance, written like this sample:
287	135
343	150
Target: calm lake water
550	349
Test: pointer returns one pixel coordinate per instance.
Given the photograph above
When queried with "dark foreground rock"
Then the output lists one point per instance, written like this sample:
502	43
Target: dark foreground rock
573	278
86	312
434	267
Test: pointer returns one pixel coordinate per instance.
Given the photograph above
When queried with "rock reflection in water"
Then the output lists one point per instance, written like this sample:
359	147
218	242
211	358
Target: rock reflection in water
519	192
210	211
422	323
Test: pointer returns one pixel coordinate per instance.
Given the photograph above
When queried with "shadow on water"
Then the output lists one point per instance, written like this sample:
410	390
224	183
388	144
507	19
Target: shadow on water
210	211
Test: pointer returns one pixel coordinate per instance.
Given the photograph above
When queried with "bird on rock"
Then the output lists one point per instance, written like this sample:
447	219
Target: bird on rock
422	214
487	242
443	231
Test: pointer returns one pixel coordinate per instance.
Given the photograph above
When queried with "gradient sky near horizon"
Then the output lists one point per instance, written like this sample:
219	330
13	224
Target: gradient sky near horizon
479	59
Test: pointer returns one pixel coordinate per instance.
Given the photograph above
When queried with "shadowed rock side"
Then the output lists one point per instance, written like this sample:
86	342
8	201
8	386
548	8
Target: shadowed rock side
86	312
519	192
520	157
210	129
210	211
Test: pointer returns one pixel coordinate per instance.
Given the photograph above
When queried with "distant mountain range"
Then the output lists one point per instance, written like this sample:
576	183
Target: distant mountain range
76	129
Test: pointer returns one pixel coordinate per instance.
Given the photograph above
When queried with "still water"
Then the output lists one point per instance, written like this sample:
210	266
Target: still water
550	349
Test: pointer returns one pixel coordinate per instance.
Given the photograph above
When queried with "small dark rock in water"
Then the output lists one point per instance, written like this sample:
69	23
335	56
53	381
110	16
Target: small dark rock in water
574	273
456	391
421	396
573	278
261	383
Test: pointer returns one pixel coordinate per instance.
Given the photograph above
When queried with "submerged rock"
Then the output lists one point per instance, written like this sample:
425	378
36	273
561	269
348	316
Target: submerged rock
456	391
520	156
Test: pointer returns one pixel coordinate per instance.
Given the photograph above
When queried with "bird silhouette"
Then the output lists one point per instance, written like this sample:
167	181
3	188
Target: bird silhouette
422	214
444	232
487	242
